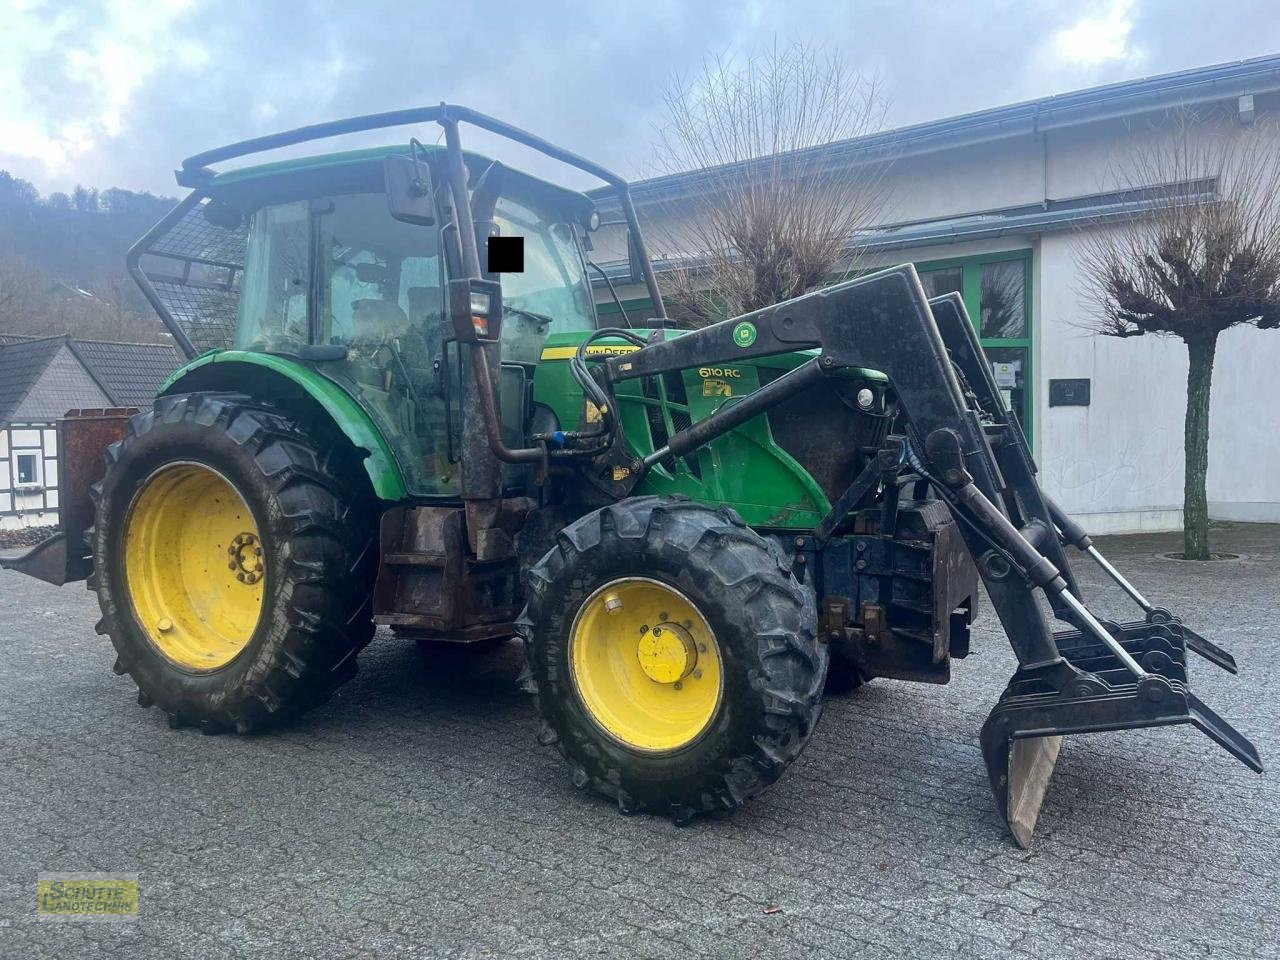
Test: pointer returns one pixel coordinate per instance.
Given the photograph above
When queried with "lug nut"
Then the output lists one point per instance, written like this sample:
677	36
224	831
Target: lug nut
241	577
702	648
678	685
613	604
164	625
663	616
687	624
231	565
657	631
697	674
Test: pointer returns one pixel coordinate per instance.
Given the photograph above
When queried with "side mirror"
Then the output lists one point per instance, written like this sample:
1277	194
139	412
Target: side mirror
222	214
371	273
410	196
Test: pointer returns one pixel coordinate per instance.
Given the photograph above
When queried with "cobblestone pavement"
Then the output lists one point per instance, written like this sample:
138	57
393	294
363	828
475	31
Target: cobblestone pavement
414	815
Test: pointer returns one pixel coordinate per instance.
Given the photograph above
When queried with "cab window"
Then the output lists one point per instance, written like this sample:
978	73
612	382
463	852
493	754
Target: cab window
553	294
273	300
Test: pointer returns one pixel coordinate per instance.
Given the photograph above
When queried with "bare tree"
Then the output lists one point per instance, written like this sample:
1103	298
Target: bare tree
1203	258
773	213
19	291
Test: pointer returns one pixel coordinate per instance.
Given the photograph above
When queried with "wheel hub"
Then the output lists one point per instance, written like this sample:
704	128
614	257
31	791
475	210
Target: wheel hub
646	665
245	552
667	653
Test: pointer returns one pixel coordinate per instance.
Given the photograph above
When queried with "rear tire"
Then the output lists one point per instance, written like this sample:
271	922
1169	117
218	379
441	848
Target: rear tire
761	620
312	518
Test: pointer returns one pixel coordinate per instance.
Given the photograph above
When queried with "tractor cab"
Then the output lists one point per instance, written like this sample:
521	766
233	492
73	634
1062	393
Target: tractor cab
345	265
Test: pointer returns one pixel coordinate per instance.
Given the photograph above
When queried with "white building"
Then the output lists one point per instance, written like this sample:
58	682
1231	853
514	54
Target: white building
40	380
1001	197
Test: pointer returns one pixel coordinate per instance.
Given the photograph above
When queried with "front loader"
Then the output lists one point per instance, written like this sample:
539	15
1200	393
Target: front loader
399	408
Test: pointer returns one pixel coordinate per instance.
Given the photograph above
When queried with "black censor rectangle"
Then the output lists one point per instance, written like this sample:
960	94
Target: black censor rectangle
505	255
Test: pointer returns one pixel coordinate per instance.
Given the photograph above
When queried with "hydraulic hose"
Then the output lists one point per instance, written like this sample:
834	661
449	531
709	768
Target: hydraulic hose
594	391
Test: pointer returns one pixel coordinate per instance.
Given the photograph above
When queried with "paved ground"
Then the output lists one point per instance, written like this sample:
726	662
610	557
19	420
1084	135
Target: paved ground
415	815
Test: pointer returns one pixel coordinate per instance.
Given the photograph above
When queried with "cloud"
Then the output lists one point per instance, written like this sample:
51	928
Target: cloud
117	92
71	75
1098	39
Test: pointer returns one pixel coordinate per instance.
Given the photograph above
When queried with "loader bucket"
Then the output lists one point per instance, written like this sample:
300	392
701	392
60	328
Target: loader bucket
1022	737
83	437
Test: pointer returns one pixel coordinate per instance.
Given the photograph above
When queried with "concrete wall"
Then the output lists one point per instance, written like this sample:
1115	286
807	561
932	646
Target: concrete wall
1244	439
1118	463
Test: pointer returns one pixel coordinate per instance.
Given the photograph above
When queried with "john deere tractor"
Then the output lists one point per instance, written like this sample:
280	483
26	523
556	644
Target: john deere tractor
399	407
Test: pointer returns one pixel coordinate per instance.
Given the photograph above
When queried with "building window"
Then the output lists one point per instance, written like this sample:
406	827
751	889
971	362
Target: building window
26	464
997	293
1003	307
940	282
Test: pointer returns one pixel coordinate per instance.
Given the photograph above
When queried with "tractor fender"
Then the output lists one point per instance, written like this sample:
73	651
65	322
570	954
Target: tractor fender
249	372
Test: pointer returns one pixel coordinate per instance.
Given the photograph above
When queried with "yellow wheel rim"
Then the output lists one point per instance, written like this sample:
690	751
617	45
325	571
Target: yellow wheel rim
646	664
194	566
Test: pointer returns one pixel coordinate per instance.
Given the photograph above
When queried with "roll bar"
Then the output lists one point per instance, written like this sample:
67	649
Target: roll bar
195	171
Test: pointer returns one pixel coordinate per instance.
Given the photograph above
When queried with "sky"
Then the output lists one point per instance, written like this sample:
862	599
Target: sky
116	92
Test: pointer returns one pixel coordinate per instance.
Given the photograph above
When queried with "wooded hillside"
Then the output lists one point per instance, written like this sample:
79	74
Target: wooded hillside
62	264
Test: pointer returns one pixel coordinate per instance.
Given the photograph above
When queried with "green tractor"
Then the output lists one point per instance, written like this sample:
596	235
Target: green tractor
399	408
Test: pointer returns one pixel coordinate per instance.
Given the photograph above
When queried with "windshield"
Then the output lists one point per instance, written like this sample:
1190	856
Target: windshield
553	294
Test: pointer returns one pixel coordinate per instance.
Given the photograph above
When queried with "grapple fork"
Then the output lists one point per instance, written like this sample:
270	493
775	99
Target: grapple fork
1022	736
1126	675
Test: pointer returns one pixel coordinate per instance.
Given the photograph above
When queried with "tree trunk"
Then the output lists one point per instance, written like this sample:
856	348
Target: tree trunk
1195	507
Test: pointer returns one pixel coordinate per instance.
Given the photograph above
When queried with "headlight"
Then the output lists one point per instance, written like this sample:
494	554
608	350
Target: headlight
479	302
866	399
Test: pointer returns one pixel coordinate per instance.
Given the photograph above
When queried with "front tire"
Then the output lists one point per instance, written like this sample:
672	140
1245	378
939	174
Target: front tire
706	702
234	561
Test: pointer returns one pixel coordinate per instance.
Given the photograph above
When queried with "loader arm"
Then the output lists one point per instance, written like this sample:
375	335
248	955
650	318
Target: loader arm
881	322
960	437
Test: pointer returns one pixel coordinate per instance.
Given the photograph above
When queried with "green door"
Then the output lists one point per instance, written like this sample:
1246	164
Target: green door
997	293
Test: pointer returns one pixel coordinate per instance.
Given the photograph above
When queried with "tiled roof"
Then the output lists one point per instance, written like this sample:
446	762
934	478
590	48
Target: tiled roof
129	373
21	363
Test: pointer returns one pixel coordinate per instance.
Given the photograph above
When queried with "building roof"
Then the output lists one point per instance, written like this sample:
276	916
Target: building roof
129	374
1200	85
21	364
